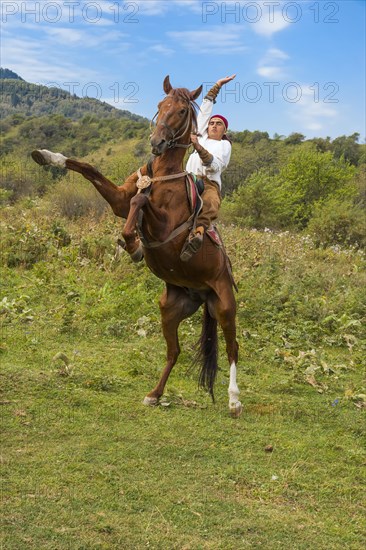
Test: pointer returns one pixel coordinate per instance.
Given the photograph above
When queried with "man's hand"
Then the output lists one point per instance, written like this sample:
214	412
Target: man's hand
225	80
205	156
194	139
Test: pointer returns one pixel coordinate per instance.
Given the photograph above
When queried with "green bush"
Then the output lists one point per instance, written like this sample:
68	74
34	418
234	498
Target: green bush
74	200
286	200
338	222
252	204
25	245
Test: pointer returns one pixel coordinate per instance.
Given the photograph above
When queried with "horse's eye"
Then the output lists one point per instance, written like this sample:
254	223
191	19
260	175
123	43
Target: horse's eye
182	111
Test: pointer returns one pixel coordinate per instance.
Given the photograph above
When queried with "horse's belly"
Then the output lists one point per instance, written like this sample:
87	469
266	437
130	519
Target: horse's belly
196	274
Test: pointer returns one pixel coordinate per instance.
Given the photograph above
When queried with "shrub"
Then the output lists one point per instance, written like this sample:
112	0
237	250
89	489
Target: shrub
73	200
252	203
97	247
21	177
25	245
338	222
308	178
287	199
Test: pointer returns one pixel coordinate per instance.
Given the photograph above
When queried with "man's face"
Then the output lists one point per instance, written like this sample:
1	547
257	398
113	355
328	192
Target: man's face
216	128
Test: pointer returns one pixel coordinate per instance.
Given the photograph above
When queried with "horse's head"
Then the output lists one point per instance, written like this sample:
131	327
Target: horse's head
175	117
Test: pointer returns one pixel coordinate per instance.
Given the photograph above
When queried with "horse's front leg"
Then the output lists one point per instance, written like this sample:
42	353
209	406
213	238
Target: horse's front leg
118	197
157	226
133	243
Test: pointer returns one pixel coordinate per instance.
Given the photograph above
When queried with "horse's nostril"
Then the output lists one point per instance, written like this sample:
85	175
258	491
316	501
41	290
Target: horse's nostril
158	147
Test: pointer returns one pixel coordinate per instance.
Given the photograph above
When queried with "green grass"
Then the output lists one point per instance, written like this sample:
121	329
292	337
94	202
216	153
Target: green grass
86	466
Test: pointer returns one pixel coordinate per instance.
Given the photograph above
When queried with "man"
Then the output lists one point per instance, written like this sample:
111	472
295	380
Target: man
210	158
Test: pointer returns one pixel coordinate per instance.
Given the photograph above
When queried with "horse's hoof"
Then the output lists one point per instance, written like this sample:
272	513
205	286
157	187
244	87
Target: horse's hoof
150	401
41	157
45	158
235	409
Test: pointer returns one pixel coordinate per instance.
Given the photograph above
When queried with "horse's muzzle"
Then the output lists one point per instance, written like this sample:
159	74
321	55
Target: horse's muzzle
158	148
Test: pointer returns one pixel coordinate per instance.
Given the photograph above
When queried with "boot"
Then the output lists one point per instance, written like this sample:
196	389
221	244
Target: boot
193	244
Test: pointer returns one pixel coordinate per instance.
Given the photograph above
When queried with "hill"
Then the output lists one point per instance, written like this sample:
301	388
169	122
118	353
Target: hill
24	98
37	116
7	73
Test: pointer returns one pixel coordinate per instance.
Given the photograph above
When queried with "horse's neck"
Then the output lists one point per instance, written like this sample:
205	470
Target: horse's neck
170	162
168	194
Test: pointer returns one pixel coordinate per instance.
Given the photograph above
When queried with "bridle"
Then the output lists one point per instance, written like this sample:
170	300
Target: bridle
183	129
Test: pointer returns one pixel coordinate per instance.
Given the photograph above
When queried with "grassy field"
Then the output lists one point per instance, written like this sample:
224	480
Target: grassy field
86	466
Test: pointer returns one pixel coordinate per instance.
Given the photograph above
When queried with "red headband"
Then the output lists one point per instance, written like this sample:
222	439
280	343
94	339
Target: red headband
224	120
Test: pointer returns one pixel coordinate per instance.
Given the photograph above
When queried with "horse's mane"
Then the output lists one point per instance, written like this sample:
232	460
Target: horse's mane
185	95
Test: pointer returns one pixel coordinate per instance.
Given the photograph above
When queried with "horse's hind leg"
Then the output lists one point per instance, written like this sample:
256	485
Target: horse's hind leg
223	307
175	305
117	196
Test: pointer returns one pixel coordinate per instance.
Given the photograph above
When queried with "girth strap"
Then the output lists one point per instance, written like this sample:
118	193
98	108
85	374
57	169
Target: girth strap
177	231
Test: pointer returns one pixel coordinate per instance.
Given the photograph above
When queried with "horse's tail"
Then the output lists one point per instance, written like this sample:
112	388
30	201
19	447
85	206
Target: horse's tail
208	352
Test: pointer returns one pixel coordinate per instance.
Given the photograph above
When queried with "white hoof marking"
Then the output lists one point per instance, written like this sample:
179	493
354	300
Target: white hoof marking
150	401
234	404
45	157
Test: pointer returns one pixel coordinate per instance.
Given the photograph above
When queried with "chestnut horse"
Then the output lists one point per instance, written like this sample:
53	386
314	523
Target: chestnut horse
164	217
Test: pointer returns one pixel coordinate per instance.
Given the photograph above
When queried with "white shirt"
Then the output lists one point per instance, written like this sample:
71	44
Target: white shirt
220	149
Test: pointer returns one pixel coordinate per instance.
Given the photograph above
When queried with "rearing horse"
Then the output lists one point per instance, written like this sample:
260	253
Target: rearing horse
162	213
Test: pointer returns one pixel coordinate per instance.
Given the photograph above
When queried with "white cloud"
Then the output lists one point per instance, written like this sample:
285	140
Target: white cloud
27	58
310	111
271	72
159	48
275	53
215	40
66	36
271	20
160	7
272	64
151	7
193	5
69	37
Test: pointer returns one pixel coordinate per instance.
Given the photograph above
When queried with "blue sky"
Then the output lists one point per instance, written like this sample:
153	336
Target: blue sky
300	65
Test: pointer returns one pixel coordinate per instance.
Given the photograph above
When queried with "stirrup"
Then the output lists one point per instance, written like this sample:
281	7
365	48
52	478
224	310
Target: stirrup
190	248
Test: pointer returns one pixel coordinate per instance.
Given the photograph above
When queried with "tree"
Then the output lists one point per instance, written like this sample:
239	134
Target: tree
308	178
321	144
14	99
294	139
347	147
252	203
287	199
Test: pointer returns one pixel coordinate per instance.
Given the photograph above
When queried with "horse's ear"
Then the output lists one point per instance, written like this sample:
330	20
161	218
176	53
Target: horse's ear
167	86
196	93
